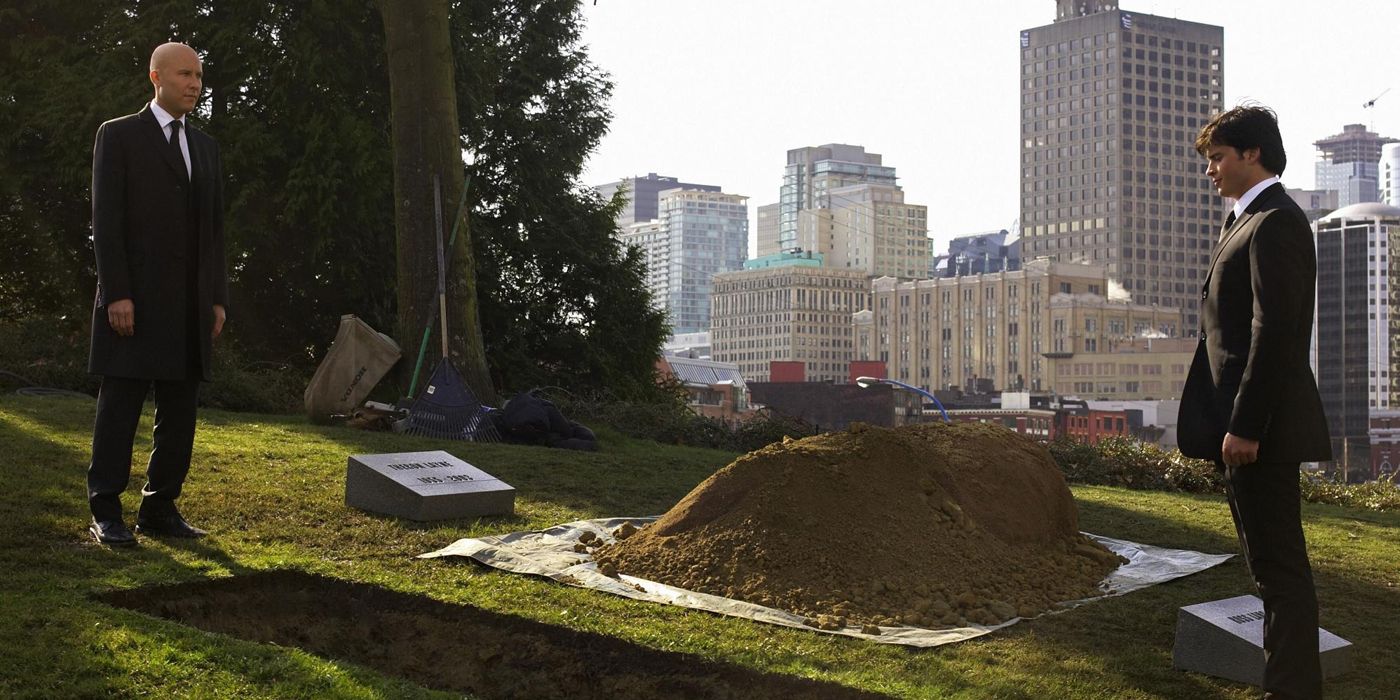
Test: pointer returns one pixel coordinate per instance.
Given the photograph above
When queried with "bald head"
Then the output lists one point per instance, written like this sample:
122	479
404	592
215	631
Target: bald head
178	77
168	52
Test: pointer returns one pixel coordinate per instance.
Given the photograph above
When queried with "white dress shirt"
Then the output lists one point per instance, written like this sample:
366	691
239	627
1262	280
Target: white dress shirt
1253	192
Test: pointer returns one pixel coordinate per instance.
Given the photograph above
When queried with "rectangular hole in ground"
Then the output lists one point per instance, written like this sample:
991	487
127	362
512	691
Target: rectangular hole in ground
452	647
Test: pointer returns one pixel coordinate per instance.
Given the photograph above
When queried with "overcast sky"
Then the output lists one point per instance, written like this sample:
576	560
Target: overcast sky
716	92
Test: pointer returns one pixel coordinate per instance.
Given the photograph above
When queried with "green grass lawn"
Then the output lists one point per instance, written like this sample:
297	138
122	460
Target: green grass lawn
271	490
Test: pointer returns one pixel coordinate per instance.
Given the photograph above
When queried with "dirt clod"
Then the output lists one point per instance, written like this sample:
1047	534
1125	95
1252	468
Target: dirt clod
932	525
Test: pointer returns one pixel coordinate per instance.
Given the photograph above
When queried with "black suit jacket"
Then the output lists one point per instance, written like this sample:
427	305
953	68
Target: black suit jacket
1250	375
159	241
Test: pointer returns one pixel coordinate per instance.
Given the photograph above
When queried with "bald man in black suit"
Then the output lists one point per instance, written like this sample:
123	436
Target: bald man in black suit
162	289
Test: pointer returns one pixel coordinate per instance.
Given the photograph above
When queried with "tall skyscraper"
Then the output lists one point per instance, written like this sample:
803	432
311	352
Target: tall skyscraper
1111	102
1356	357
643	193
696	235
1349	163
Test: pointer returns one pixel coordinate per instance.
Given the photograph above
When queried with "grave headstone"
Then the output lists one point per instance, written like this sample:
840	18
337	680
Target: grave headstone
424	486
1225	638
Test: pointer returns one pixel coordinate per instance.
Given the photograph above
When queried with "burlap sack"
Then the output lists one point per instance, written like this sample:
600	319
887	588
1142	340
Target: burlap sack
357	360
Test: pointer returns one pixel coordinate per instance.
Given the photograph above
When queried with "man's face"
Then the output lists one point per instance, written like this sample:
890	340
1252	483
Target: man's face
179	79
1231	171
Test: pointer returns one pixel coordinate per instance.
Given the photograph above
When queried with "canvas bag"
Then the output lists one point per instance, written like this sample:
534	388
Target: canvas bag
357	360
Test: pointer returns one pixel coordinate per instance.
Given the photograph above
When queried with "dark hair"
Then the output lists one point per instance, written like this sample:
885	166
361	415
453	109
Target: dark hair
1243	128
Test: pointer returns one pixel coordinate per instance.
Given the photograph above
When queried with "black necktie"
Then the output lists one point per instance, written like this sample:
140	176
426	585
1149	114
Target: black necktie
1229	221
175	146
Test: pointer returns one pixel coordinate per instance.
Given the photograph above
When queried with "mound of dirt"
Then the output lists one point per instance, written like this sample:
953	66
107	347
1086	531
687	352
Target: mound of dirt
932	525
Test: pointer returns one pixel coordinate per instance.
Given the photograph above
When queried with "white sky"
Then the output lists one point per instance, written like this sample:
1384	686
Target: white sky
717	91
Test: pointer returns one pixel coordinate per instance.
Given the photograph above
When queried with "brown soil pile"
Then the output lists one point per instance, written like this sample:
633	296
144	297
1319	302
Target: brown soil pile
932	525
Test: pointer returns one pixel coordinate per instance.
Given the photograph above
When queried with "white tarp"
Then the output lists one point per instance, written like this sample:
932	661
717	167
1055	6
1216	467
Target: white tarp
550	553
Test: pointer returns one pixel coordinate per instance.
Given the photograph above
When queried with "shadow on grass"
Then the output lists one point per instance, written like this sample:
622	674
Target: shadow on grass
451	646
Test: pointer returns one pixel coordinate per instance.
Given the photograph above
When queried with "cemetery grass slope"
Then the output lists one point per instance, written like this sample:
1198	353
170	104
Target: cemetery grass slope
271	490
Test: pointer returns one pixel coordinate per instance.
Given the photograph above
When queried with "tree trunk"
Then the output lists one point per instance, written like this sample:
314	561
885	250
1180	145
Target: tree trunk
427	142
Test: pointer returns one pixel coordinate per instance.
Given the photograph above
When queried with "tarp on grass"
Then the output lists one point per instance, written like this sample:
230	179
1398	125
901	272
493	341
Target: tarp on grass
550	553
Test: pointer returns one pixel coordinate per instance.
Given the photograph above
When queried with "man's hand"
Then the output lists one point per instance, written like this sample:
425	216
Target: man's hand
121	315
219	317
1236	451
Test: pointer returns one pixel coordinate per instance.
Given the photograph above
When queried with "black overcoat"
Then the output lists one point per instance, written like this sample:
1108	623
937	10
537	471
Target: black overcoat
1251	375
149	224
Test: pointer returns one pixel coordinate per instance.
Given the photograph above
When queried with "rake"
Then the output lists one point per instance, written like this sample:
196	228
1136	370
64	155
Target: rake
446	408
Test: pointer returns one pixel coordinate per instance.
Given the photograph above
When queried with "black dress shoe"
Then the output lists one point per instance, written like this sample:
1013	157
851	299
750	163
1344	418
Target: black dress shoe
112	532
168	526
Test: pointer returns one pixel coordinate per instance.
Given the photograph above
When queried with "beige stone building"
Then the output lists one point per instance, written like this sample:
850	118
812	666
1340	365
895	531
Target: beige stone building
787	313
766	232
998	331
869	227
1136	369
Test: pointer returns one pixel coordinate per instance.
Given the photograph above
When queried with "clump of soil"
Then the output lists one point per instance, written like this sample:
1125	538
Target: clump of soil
933	525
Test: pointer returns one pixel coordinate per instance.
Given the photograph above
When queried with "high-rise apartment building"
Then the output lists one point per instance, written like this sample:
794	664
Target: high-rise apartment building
1349	163
696	235
1111	103
643	195
813	172
843	204
795	312
1355	348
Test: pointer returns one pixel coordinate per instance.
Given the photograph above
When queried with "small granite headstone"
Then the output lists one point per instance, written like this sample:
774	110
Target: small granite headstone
424	486
1225	638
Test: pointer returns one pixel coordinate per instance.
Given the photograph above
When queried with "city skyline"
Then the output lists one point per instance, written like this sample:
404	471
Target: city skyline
780	76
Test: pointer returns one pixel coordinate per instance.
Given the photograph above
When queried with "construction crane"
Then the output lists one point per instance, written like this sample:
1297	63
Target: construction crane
1370	104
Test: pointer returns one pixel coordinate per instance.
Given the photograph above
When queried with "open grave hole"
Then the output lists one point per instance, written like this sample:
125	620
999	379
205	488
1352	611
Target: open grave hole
452	647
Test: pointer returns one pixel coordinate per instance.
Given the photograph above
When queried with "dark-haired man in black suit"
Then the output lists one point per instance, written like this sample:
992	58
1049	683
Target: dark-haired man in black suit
157	231
1251	402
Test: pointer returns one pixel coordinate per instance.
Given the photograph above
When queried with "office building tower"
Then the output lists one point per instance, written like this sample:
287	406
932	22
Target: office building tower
1111	103
643	194
697	235
1355	351
1348	163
